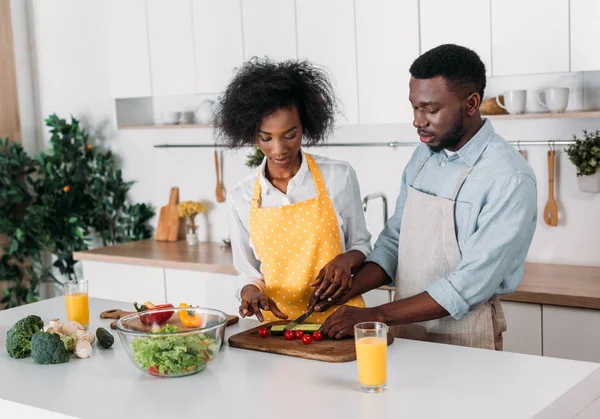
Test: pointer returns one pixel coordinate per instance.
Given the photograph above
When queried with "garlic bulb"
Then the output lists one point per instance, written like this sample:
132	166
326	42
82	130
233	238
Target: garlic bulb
83	349
85	335
71	327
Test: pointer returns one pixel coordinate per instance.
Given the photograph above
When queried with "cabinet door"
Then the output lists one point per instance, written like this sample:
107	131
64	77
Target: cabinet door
171	47
115	281
203	289
461	22
523	328
217	43
530	36
326	36
269	29
572	333
128	59
387	42
585	15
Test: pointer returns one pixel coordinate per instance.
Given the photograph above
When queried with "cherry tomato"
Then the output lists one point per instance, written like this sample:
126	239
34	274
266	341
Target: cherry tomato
307	339
318	335
289	335
299	334
263	332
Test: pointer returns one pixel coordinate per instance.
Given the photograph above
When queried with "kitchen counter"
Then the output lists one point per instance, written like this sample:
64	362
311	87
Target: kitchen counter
425	380
205	257
562	285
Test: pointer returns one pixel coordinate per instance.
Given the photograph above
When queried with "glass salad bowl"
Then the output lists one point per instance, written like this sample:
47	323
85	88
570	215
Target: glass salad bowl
172	342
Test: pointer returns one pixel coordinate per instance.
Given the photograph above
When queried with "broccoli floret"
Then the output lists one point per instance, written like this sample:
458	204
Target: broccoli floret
69	342
18	337
48	348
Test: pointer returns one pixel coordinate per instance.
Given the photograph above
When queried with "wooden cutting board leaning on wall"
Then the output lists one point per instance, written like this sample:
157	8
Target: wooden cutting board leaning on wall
170	227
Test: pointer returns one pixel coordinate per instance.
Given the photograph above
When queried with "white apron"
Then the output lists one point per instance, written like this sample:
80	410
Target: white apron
428	250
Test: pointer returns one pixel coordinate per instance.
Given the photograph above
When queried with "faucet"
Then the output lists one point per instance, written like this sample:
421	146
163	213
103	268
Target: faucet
373	196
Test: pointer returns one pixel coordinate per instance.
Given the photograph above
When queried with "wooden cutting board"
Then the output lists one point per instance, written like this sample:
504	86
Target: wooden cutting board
168	228
327	350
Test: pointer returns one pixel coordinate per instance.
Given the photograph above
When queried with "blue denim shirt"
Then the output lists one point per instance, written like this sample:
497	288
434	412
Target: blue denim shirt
495	218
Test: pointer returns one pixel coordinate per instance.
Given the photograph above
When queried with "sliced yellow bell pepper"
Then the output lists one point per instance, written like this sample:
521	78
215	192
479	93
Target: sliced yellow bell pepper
189	318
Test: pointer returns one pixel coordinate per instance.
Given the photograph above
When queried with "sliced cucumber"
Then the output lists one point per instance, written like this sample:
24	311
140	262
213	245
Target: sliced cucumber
277	330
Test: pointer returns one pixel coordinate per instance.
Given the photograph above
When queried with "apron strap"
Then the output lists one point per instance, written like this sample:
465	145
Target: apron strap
256	196
317	176
419	170
314	170
466	171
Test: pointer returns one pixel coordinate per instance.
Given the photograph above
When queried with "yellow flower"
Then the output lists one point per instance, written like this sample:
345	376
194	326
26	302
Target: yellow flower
190	208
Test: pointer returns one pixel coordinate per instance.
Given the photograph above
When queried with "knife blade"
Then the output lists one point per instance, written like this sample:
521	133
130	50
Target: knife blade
299	320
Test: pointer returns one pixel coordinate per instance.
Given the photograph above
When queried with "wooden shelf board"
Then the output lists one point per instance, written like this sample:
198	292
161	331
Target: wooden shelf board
563	115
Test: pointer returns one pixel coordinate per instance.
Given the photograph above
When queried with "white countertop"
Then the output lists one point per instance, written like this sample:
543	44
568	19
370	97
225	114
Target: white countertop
425	380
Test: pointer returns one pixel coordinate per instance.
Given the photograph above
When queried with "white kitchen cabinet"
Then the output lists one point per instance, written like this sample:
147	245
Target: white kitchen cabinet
203	289
530	36
217	42
128	58
387	42
115	281
269	29
461	22
585	31
171	40
572	333
524	328
326	36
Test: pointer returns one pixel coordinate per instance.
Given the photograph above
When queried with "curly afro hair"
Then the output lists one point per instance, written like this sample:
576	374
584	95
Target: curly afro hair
262	86
461	67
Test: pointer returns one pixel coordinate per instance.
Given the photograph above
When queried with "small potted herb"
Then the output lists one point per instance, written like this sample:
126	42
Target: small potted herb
255	158
585	155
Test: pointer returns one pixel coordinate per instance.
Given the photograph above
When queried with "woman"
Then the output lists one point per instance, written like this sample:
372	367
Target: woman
297	226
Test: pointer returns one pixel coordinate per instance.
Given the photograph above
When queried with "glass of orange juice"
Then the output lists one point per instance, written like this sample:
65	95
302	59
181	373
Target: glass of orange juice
76	298
371	356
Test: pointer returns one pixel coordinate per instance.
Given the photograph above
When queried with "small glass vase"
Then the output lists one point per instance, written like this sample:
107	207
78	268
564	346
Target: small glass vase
190	234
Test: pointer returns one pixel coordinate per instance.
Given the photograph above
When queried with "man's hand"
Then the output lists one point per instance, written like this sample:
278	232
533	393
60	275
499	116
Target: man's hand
341	323
254	300
334	279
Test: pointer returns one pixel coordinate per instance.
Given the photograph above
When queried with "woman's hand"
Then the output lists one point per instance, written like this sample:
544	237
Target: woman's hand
334	279
254	300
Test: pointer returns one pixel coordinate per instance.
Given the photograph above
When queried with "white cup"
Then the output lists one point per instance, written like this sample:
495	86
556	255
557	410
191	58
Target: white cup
514	101
555	100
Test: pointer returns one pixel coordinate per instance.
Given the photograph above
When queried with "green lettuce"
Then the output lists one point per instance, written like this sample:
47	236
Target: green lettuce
173	355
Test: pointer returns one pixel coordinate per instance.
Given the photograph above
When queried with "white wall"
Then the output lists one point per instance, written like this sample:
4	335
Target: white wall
72	79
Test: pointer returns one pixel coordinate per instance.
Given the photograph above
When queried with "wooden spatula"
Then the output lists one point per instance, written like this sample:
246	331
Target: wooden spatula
220	189
168	228
551	210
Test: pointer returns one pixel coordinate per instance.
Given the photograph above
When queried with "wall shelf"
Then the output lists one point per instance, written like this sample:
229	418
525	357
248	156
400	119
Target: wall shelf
562	115
164	126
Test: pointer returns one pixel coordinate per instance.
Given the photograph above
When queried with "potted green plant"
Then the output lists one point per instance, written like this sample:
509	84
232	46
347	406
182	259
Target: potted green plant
585	155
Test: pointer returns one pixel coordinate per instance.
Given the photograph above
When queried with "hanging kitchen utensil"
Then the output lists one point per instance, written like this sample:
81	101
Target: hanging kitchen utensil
169	226
551	210
220	191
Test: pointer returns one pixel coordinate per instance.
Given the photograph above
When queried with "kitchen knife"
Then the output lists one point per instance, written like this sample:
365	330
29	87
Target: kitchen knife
299	320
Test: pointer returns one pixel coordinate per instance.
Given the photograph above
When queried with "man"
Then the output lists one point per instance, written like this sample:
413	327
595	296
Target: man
463	222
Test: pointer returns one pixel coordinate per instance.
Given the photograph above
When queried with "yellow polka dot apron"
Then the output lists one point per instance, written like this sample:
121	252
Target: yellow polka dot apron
293	242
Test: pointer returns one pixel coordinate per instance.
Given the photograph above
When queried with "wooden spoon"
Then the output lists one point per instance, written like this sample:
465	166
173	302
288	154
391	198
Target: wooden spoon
551	210
220	190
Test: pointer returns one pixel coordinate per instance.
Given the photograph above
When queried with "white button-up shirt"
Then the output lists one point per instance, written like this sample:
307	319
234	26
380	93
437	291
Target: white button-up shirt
343	189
